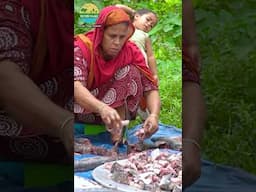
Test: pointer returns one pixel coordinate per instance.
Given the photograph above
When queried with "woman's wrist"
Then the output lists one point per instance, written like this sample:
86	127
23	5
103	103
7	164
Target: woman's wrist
192	141
64	124
101	107
154	115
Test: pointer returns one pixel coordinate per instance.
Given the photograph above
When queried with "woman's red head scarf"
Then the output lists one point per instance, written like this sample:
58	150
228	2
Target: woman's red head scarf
108	16
129	54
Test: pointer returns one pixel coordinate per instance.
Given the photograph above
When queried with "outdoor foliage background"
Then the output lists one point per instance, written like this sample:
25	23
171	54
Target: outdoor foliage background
166	40
227	33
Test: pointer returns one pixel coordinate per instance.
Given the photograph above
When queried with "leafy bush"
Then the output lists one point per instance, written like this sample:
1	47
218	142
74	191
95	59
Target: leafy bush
227	44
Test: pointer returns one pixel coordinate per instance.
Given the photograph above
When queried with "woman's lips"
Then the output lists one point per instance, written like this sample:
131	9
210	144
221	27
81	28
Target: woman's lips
114	50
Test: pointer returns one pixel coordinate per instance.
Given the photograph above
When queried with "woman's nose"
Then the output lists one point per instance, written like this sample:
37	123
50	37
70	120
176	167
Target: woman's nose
116	41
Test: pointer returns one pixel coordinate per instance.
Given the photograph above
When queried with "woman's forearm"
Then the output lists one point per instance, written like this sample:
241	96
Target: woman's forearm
25	102
193	111
153	102
84	98
188	23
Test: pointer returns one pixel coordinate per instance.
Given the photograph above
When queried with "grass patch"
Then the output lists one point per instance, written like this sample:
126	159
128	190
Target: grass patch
227	45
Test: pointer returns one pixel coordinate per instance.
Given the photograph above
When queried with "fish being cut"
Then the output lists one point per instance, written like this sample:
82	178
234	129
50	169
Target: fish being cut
90	163
173	143
84	146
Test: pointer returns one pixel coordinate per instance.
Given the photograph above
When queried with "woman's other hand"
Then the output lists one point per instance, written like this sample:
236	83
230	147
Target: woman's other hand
150	126
191	163
66	134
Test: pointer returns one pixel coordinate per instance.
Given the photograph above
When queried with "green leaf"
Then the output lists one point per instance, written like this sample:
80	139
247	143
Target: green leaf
168	28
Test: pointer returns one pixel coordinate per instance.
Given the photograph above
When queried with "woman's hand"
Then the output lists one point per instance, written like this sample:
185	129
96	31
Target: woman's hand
149	127
191	164
112	121
66	134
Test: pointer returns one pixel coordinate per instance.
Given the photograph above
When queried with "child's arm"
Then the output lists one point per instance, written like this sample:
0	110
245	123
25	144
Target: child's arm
127	9
151	58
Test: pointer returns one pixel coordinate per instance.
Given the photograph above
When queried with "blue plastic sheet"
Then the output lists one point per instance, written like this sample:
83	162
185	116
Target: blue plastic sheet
7	170
220	178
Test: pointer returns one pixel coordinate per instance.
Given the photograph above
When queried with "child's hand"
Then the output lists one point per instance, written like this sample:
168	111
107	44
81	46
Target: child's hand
127	9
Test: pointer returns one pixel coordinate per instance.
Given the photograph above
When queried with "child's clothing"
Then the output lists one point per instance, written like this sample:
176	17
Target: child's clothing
139	38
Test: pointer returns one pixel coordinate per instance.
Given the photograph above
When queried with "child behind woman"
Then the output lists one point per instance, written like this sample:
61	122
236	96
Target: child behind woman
143	20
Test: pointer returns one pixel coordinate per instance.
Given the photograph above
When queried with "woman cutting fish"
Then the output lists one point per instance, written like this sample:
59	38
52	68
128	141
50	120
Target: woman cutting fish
111	76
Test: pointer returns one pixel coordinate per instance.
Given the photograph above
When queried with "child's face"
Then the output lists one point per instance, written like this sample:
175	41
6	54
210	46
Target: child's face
145	22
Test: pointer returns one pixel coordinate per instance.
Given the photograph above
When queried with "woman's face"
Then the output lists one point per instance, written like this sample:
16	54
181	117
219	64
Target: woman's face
145	22
113	40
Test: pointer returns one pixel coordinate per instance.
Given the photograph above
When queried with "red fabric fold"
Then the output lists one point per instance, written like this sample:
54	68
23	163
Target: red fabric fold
58	28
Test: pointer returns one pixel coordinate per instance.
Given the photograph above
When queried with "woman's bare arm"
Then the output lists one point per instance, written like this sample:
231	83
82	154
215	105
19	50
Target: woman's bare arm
153	101
193	106
24	101
109	115
193	102
194	111
153	104
188	23
84	98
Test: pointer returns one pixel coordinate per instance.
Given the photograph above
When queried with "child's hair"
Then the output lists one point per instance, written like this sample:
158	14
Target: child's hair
145	11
